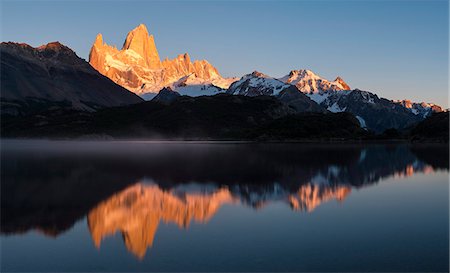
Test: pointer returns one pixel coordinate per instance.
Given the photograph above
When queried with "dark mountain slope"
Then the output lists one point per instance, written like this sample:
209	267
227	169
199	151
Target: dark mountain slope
208	117
166	96
378	114
313	126
435	127
299	101
53	76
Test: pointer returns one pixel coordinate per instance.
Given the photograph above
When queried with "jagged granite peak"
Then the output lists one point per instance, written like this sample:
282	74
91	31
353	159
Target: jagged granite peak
143	44
138	68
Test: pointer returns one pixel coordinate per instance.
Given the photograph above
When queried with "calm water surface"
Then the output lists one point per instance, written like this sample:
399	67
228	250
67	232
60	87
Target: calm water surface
155	206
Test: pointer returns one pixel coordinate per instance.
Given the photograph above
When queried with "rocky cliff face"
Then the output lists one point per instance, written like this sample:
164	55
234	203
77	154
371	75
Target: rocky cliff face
138	68
143	44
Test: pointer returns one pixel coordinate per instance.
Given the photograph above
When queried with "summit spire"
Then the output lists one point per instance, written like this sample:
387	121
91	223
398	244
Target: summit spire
143	44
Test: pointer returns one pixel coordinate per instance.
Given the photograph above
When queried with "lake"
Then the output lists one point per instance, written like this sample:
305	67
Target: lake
217	206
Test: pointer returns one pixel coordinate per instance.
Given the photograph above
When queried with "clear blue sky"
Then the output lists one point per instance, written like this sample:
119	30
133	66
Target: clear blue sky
397	49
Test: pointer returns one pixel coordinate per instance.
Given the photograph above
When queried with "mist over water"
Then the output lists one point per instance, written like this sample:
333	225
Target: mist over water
205	206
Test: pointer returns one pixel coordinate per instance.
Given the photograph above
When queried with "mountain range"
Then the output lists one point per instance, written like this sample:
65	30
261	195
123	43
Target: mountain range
52	77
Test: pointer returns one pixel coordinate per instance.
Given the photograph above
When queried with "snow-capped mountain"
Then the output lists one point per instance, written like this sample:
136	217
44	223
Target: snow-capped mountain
374	113
301	88
421	109
257	84
377	114
309	82
138	68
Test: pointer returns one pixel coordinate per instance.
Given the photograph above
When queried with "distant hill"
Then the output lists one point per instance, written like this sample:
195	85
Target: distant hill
435	127
218	117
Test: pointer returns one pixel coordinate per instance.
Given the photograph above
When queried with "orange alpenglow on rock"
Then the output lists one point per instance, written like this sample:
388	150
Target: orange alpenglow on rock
342	83
138	68
143	44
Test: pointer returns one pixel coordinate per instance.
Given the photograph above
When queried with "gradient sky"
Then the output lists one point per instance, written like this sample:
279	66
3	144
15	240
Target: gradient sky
396	49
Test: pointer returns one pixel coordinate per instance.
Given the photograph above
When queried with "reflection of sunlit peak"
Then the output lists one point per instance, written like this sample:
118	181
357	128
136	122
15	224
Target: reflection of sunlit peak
309	196
137	211
428	169
411	169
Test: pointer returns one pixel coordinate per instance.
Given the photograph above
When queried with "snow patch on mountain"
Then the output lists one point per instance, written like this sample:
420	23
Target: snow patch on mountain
132	54
318	97
199	90
324	97
362	122
111	62
335	108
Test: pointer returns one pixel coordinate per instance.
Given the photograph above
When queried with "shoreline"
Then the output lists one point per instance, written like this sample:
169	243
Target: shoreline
230	141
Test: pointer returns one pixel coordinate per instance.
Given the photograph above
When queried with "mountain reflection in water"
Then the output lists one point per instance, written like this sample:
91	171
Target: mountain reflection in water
137	210
131	187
